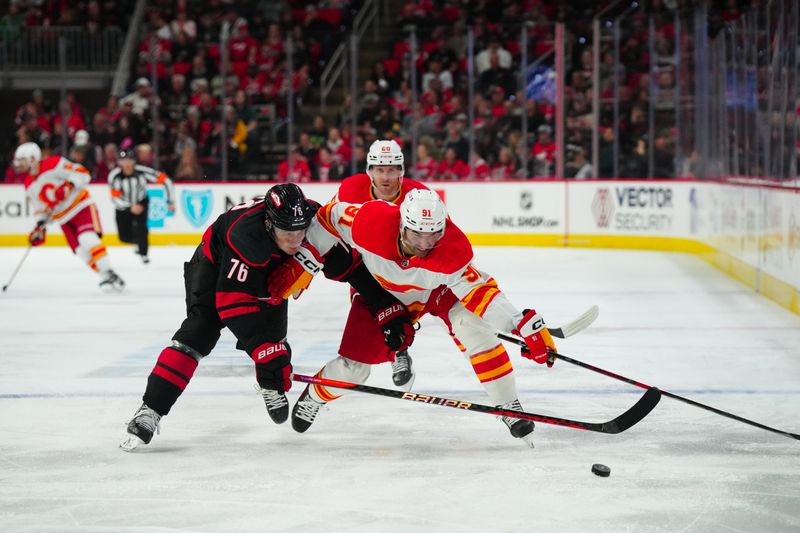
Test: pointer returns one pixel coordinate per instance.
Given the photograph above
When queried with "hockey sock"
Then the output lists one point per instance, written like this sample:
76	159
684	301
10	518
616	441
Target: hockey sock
494	370
169	378
93	252
340	369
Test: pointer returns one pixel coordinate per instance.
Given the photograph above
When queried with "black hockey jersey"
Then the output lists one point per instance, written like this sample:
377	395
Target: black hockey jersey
243	253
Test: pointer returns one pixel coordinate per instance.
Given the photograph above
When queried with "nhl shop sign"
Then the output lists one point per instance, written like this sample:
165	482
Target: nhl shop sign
633	209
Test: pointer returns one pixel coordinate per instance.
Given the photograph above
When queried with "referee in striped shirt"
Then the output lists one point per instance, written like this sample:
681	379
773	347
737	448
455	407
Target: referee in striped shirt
128	184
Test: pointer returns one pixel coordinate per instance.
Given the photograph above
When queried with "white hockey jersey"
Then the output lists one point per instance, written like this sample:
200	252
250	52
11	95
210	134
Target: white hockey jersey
372	229
59	191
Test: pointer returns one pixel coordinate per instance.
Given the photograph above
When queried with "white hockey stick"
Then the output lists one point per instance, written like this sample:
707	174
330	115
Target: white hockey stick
577	325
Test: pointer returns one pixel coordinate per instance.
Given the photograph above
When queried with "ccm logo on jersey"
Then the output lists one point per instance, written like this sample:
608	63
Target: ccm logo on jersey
270	350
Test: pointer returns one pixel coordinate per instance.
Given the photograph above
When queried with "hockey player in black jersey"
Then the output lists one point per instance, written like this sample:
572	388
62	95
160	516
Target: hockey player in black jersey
226	286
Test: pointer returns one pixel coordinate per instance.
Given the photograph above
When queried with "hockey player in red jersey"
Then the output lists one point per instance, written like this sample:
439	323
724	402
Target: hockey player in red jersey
420	257
226	286
57	189
383	181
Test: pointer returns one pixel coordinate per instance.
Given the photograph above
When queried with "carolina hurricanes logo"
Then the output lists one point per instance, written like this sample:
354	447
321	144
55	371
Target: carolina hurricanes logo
276	200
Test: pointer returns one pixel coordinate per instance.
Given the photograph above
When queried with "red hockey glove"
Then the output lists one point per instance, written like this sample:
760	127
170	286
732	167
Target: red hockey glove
537	339
398	331
38	235
294	275
273	365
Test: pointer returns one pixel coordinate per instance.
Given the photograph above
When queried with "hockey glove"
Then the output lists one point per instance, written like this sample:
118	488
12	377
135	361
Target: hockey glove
537	339
273	365
294	275
39	233
398	331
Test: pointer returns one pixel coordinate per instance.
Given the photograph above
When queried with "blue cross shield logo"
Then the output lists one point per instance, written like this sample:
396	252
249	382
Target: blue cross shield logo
197	205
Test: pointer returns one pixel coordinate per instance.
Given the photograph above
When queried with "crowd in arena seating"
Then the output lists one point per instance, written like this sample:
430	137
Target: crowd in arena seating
200	111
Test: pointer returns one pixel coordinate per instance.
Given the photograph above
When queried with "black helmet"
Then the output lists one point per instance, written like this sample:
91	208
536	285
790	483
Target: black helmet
286	207
127	153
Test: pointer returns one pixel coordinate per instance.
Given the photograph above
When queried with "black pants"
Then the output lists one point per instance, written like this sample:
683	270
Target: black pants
133	228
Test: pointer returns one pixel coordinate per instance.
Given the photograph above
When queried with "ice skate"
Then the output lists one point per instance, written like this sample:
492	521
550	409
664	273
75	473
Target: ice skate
277	405
144	424
402	372
111	282
521	429
305	411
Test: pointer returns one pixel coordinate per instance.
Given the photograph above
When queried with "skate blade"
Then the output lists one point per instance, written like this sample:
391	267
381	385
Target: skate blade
528	439
131	443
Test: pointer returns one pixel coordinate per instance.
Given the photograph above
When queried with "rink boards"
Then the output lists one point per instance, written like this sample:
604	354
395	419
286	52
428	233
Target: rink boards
751	232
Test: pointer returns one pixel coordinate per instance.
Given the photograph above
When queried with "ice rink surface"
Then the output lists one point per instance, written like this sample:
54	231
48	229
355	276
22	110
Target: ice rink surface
75	363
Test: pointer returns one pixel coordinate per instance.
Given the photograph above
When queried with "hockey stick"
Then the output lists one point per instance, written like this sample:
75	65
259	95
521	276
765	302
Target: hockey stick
624	421
641	385
19	265
577	325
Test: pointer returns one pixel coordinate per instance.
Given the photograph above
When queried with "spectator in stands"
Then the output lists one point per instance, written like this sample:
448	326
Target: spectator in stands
306	148
319	131
483	58
139	98
451	167
12	22
295	169
505	167
182	24
577	166
497	76
386	83
455	139
635	164
82	151
340	150
106	164
543	152
326	169
188	169
480	168
426	165
436	72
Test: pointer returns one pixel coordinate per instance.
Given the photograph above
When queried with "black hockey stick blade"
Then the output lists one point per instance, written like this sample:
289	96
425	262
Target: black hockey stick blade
627	419
635	414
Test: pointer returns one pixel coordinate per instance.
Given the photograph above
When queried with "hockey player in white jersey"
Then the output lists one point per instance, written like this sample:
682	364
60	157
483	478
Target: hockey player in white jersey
57	189
427	266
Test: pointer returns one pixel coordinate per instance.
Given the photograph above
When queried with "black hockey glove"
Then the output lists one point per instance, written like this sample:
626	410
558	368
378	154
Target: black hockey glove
398	331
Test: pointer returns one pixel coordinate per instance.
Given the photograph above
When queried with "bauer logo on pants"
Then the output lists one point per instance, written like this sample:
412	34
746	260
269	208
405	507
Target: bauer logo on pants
197	205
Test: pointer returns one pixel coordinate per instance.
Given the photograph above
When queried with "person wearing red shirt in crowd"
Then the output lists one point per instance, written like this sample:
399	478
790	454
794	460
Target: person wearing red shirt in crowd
544	151
504	168
426	165
481	168
452	168
299	172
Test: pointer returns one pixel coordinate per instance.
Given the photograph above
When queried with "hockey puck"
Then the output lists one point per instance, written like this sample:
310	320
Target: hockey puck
601	470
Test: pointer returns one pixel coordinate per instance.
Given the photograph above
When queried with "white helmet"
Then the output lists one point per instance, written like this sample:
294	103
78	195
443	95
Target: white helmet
29	153
423	210
385	153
